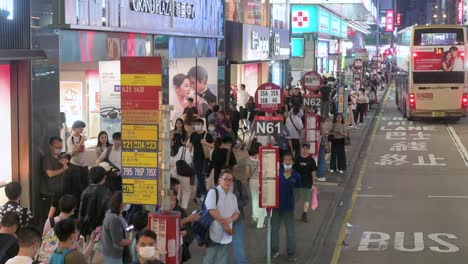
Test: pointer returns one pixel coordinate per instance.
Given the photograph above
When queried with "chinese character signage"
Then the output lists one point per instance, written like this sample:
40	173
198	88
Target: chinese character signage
398	19
312	19
141	81
389	20
460	11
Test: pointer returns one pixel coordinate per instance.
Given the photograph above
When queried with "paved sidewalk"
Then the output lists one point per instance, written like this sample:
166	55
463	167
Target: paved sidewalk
308	235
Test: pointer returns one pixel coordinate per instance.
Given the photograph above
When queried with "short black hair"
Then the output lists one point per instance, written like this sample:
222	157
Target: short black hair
28	235
64	229
115	202
78	124
53	139
97	174
243	86
216	108
190	99
10	219
286	154
117	136
199	73
147	233
254	148
199	120
67	203
174	181
13	191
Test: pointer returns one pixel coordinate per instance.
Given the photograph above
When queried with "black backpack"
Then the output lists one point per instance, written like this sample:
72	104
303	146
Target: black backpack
93	213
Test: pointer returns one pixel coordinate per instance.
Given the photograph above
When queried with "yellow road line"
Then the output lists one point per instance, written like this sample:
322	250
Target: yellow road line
362	172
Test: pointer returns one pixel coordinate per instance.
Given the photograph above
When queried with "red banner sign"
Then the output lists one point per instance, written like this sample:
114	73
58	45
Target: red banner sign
398	19
389	20
460	12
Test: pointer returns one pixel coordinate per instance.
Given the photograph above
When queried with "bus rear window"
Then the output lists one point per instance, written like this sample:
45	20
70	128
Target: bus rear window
438	37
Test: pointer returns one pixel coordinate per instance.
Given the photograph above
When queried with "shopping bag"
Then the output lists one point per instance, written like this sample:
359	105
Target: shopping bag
314	202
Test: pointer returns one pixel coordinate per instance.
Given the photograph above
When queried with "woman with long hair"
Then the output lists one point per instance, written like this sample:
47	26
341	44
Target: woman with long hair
182	91
103	143
447	61
178	136
338	154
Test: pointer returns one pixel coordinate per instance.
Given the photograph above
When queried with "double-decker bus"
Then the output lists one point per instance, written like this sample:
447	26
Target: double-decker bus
431	80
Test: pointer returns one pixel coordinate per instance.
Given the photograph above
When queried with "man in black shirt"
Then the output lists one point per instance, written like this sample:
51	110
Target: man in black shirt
296	99
8	227
325	90
305	165
55	165
198	139
235	119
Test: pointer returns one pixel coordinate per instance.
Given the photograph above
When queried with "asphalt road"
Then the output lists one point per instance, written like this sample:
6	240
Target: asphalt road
411	199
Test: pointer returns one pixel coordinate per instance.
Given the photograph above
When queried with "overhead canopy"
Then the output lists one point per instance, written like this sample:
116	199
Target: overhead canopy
22	54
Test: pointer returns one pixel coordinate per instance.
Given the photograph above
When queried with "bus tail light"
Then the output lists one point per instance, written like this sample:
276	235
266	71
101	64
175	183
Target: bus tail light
412	101
465	100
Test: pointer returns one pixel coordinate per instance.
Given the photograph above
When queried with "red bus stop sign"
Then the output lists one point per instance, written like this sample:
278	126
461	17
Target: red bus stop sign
312	81
269	97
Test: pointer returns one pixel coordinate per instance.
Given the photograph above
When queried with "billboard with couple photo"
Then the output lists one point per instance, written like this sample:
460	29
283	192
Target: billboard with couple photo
441	59
195	78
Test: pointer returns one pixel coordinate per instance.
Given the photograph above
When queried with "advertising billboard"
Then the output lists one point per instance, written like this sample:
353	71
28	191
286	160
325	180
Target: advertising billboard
441	59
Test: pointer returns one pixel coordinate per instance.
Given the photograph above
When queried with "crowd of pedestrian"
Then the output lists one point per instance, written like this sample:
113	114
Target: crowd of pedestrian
88	222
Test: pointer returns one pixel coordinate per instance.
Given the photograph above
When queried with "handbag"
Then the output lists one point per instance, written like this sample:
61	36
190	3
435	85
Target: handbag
182	167
206	149
347	140
314	202
330	136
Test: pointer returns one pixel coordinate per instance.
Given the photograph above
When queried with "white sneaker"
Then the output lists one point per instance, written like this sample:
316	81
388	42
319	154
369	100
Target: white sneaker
322	179
332	171
340	172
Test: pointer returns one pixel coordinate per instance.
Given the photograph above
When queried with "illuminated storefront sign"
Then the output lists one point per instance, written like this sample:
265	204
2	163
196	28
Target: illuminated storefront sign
389	20
398	20
312	19
7	6
460	12
164	8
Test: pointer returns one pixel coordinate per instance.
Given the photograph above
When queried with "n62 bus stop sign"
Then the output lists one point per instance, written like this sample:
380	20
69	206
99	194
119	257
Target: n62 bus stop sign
312	81
269	97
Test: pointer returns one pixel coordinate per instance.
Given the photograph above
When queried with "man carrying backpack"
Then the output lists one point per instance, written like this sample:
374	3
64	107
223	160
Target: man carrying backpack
94	201
221	204
66	232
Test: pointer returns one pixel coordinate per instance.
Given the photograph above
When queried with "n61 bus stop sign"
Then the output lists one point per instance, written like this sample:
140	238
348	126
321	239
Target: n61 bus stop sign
269	97
312	81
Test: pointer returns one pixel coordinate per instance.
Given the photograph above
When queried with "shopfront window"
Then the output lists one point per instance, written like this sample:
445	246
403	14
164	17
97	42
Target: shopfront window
5	132
90	76
254	12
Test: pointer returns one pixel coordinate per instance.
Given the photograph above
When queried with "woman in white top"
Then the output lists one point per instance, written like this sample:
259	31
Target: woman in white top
185	188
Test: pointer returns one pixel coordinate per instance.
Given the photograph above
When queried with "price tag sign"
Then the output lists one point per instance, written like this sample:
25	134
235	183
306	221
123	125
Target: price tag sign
269	177
312	81
269	125
269	97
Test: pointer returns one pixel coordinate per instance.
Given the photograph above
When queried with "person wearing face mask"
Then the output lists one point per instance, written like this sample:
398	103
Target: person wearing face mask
146	247
67	234
54	165
289	179
29	239
212	130
199	139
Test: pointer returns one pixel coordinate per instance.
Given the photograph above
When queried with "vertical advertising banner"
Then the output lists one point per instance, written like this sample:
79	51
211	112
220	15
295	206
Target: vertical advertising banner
460	11
109	96
141	81
195	78
389	20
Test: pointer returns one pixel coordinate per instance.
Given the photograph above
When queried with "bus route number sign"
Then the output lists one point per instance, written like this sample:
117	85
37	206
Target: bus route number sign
269	125
269	97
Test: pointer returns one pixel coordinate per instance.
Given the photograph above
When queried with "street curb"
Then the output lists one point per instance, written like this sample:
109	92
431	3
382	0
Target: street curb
325	240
